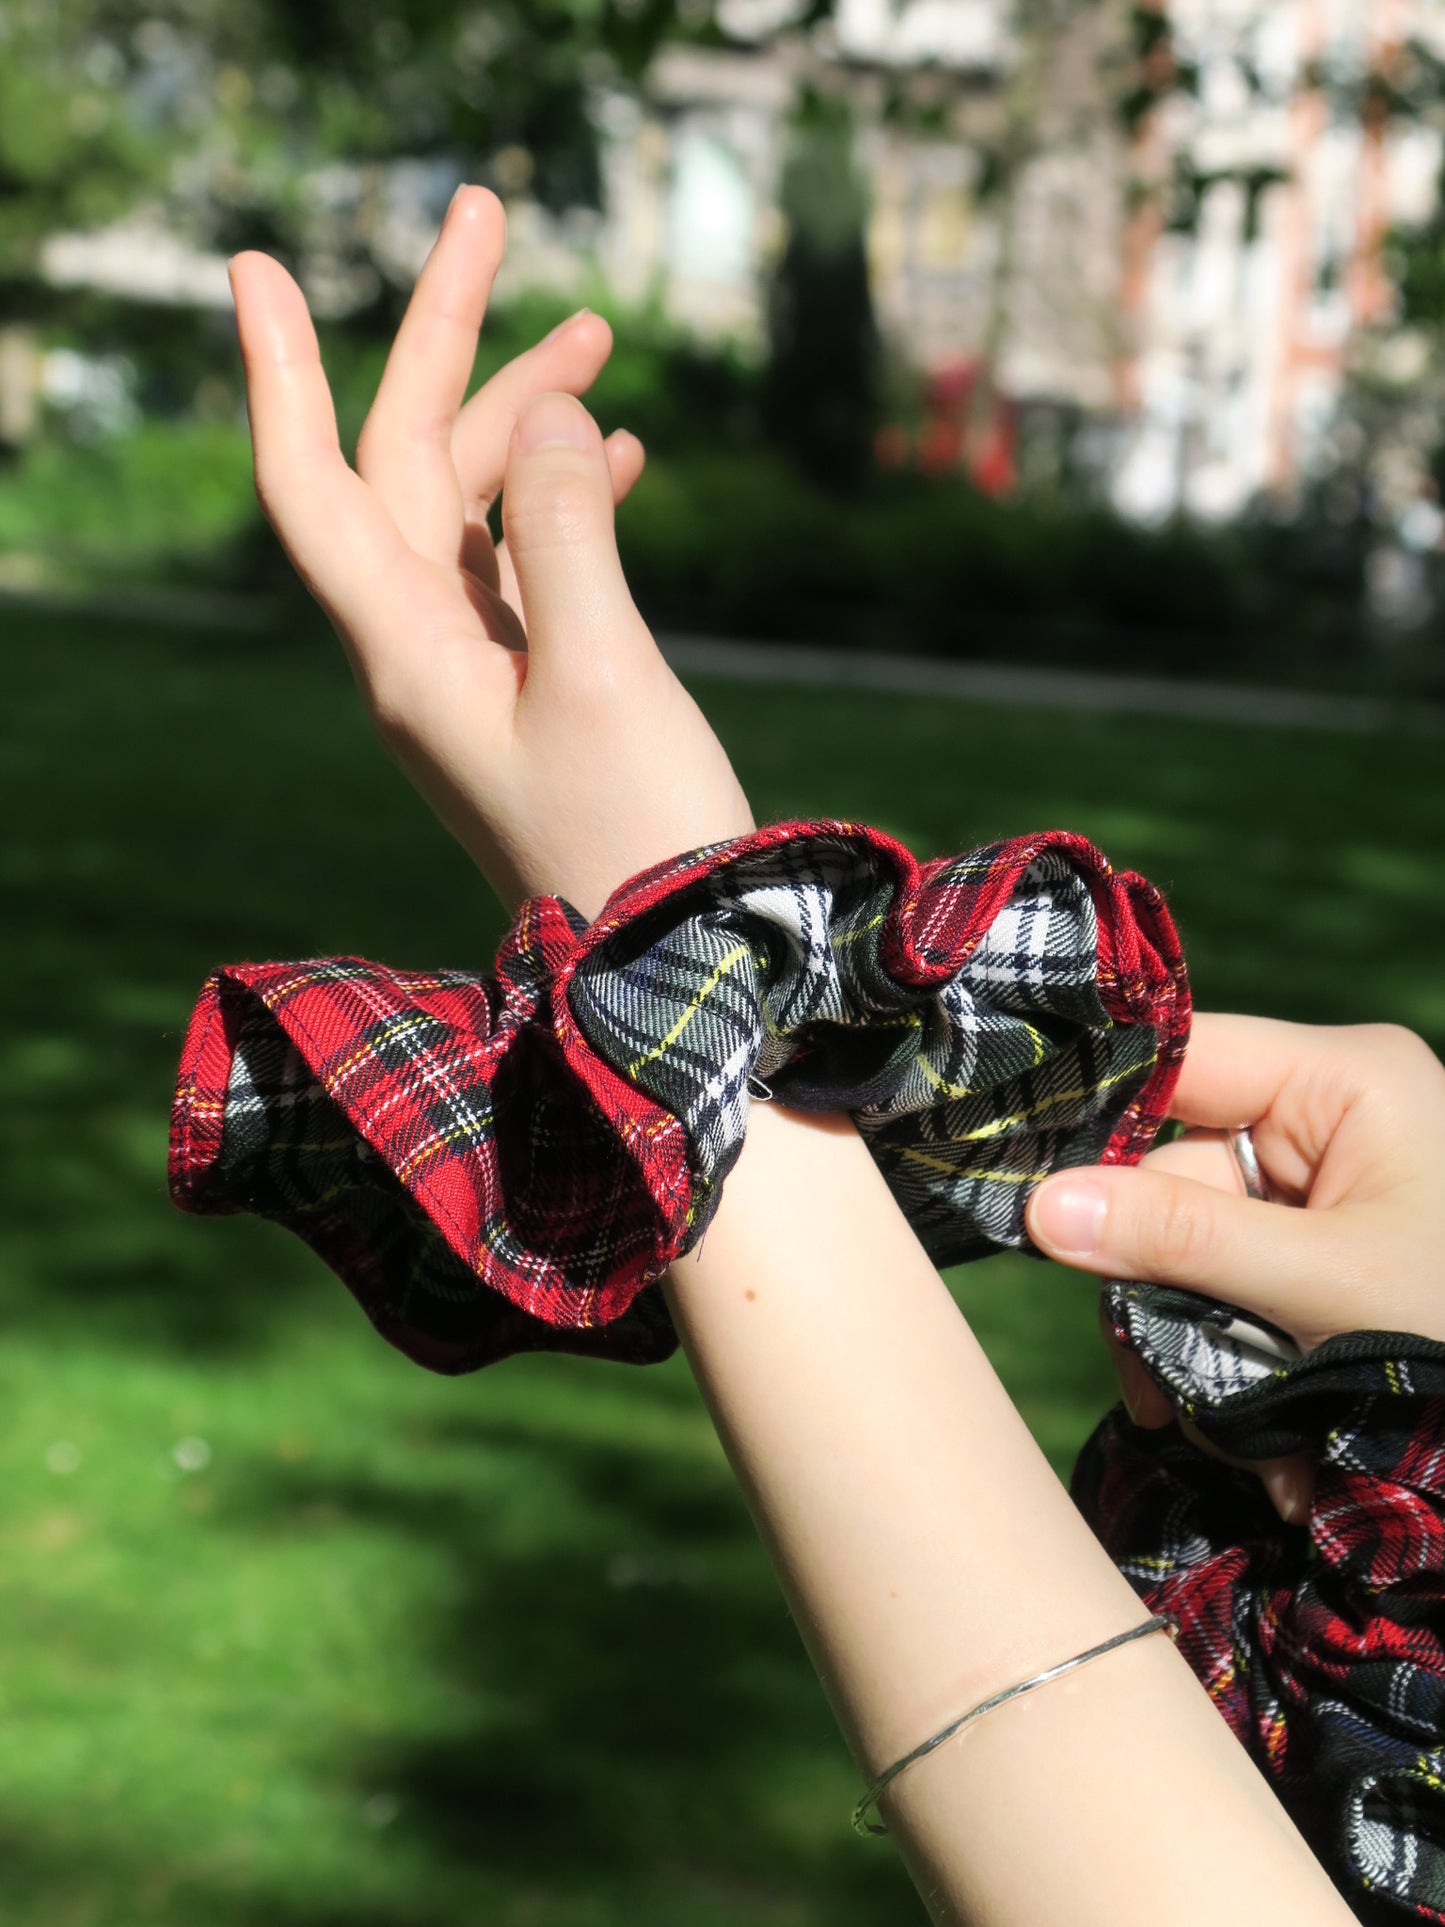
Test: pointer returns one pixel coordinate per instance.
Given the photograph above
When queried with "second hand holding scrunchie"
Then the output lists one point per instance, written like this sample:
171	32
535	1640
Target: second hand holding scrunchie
506	1164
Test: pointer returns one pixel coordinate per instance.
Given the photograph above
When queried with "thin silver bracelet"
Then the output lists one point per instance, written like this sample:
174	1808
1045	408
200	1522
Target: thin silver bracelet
1160	1622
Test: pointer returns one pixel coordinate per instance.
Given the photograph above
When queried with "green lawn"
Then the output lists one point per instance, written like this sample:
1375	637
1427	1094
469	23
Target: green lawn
291	1632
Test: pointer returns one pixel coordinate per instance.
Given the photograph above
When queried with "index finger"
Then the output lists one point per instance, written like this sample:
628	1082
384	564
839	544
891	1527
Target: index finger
405	447
339	537
1236	1067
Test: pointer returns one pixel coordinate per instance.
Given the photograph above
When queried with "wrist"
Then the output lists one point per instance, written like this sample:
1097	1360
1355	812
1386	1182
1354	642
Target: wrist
929	1552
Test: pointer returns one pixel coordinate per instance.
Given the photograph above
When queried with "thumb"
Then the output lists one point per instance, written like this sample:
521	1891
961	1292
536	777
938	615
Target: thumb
557	512
1273	1259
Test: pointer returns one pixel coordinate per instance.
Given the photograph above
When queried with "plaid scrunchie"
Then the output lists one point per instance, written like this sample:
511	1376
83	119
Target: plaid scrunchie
1322	1644
504	1164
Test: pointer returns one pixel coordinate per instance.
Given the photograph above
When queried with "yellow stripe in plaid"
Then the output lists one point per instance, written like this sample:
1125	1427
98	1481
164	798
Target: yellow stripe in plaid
852	936
734	956
369	1041
1000	1124
941	1083
442	1141
952	1170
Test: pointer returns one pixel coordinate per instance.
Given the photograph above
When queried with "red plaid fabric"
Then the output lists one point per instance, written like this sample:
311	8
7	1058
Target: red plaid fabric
504	1164
1323	1644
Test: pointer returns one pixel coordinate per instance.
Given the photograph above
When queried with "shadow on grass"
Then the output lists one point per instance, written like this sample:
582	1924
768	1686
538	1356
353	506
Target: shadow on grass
634	1711
631	1719
212	797
62	1882
175	804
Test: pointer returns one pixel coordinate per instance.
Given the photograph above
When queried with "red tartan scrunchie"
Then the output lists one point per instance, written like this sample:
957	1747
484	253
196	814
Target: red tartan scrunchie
1321	1643
504	1164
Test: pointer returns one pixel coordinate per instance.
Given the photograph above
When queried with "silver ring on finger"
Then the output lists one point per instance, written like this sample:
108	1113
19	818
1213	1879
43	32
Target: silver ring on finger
1241	1145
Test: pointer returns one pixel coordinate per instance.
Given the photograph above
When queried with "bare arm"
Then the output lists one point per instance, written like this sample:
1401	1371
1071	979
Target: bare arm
931	1557
929	1553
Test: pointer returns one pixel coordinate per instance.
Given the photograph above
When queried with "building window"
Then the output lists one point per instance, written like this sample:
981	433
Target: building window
710	229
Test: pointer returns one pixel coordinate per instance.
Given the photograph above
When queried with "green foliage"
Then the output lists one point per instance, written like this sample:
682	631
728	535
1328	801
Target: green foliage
1422	282
70	153
404	1650
725	535
224	108
155	504
222	116
174	499
676	392
1419	258
741	544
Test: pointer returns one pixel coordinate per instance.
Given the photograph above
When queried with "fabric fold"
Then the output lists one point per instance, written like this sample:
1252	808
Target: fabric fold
1322	1644
507	1163
503	1164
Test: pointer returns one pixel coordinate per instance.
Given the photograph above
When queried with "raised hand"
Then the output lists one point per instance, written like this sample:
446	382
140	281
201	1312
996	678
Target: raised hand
517	685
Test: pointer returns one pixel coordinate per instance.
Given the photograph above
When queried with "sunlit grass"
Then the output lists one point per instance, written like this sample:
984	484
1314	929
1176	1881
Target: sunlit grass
294	1633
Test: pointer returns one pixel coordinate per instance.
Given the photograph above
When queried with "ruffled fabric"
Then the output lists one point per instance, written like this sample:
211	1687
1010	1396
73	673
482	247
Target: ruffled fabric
1322	1644
502	1164
495	1165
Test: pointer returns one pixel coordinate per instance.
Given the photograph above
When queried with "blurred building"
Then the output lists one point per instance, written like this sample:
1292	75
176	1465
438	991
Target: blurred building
1024	279
1200	335
1242	326
1172	297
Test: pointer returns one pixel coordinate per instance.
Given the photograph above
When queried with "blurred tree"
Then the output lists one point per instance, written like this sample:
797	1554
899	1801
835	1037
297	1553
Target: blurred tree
820	397
1412	89
1395	401
230	112
70	152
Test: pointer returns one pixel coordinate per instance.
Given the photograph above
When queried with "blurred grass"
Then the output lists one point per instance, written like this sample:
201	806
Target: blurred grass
291	1632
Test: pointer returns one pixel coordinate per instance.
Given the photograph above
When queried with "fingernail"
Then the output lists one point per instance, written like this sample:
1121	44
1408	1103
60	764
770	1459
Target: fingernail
1129	1391
1068	1215
1132	1381
457	194
562	326
1287	1493
553	421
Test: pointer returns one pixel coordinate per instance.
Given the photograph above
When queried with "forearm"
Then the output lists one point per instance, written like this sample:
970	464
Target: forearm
931	1557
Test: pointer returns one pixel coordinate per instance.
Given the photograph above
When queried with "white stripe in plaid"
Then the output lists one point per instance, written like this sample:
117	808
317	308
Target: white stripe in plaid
495	1164
1323	1644
966	1094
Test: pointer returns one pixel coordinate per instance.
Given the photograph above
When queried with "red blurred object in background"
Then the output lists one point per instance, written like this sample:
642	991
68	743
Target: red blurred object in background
967	425
891	446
